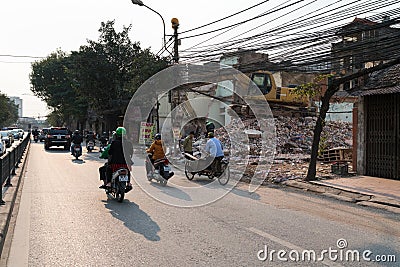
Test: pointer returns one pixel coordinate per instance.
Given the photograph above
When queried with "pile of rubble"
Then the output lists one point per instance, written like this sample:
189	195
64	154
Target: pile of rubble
293	137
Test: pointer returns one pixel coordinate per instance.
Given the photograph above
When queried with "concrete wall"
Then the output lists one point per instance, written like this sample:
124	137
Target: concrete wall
361	144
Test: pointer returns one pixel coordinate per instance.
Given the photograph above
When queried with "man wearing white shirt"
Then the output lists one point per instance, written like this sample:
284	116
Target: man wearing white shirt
214	149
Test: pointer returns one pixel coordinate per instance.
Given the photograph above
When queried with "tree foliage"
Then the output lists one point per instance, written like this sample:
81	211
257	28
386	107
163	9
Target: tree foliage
101	77
313	89
8	111
52	81
104	68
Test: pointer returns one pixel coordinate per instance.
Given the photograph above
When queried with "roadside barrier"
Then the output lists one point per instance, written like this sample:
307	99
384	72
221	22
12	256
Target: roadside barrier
9	163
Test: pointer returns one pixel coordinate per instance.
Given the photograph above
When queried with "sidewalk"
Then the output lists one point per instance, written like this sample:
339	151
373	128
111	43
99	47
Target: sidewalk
367	185
364	190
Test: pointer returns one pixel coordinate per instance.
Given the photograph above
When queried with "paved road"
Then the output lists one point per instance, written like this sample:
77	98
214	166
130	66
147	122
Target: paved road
65	220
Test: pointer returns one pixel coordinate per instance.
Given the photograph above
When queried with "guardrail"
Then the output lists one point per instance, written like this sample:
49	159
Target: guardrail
9	163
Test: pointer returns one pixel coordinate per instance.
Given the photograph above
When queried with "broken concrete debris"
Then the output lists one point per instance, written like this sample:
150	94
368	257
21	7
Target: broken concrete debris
293	140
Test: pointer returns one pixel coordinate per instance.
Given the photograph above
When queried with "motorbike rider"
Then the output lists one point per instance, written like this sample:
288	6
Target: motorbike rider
188	144
76	139
215	149
35	132
103	139
90	136
210	127
157	152
119	156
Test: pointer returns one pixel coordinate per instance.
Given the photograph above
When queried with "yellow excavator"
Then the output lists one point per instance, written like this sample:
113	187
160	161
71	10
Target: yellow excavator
282	100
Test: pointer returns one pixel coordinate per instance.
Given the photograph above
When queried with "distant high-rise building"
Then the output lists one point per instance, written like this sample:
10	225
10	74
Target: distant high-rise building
18	103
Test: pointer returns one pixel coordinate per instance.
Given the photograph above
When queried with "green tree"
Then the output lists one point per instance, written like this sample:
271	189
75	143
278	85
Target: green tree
53	82
99	79
104	68
109	71
8	111
55	118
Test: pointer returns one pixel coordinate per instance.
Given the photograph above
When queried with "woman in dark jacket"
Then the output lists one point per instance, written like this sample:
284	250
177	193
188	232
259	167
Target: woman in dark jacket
119	154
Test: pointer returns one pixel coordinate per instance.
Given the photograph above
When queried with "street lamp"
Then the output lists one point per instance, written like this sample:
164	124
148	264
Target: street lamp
140	3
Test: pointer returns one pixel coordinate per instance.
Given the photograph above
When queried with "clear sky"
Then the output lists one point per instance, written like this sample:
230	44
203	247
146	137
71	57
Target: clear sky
37	28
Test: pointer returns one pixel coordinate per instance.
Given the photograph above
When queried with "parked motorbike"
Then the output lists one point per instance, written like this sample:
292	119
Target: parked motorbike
119	184
160	170
90	146
76	150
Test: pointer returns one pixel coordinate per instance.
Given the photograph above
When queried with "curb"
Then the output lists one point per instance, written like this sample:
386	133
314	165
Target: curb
352	196
10	197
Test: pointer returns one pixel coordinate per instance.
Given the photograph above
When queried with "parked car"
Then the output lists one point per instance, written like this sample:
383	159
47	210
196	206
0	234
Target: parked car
11	135
21	133
16	134
5	137
43	134
57	136
3	148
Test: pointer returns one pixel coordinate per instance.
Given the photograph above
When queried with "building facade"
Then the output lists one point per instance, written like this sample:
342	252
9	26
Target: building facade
18	103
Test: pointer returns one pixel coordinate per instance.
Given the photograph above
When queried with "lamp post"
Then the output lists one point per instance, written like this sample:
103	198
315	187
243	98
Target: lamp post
140	3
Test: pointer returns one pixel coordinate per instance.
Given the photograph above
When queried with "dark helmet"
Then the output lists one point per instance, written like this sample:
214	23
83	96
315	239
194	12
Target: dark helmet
76	132
157	136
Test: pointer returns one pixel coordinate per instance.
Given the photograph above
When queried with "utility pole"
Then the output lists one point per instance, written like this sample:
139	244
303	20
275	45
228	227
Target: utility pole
175	26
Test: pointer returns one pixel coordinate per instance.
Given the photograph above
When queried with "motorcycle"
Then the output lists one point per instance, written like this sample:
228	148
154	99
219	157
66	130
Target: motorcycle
36	138
76	150
159	170
191	169
90	146
103	144
119	184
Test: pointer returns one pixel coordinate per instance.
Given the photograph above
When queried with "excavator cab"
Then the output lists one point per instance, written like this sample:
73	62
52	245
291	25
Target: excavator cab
263	81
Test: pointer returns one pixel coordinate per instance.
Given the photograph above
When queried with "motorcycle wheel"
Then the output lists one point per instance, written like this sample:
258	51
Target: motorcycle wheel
225	175
163	182
189	175
119	195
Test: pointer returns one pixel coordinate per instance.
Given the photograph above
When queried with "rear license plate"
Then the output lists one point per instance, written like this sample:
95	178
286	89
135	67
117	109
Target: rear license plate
167	168
123	178
77	149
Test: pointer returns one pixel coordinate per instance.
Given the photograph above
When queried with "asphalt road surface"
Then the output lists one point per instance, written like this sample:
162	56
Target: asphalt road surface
65	220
